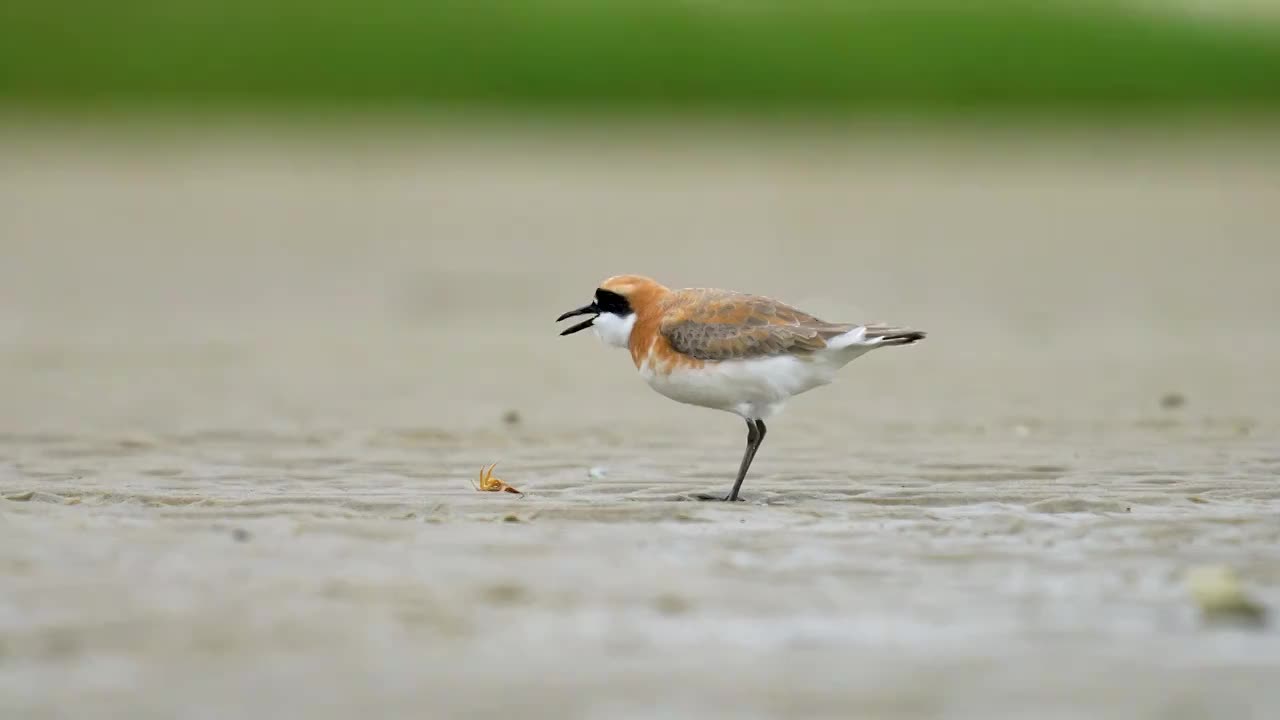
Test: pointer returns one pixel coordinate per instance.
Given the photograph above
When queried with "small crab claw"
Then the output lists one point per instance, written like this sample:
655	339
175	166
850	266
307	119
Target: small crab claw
489	483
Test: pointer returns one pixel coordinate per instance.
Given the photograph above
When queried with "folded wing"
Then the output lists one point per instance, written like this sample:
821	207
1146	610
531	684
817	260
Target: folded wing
710	324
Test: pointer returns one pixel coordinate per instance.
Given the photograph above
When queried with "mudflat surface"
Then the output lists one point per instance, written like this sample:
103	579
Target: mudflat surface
247	378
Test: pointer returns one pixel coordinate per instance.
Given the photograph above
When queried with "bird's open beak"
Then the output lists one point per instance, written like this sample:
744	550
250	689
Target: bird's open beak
591	310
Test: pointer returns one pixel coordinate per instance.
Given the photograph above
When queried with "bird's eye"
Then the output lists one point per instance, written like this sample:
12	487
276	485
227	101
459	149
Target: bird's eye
611	302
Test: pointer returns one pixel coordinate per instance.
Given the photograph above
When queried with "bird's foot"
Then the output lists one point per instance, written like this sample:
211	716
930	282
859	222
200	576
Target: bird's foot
708	497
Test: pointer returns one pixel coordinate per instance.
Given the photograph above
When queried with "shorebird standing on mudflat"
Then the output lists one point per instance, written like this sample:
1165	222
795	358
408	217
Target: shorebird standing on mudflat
719	349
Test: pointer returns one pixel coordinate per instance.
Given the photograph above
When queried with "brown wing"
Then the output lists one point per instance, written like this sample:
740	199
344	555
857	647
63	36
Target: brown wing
722	325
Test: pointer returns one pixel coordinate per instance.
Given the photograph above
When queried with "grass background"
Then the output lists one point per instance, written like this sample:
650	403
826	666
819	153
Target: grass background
630	56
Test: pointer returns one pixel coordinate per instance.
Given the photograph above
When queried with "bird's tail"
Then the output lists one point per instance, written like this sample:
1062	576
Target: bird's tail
874	335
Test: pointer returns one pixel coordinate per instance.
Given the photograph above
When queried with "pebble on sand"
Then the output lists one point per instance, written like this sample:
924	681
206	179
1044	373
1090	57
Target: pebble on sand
1217	591
1172	400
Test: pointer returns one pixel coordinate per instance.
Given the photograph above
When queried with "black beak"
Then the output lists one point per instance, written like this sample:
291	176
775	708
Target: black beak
591	310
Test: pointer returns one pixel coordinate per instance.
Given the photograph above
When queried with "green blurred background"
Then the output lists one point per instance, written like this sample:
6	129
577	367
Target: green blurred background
657	56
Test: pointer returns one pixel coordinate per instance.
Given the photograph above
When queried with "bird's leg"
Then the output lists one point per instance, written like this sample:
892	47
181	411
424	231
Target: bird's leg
755	436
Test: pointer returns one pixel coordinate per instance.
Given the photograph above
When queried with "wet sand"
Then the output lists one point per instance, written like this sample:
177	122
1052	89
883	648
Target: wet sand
247	379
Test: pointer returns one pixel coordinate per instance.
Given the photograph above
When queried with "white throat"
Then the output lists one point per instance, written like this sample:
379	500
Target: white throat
614	329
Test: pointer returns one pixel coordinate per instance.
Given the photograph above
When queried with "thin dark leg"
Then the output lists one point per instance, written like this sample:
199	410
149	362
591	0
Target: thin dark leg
755	436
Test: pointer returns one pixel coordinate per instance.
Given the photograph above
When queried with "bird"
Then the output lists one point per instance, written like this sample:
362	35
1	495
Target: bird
725	350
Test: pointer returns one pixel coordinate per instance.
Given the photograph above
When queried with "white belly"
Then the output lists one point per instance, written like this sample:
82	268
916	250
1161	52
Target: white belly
750	388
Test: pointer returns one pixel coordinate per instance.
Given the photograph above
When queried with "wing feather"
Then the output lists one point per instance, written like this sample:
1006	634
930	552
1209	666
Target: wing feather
710	324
